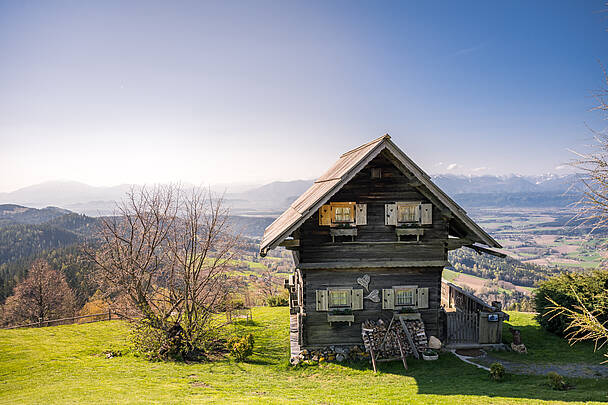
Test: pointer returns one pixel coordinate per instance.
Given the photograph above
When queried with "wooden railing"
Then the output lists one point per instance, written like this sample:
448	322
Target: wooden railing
103	316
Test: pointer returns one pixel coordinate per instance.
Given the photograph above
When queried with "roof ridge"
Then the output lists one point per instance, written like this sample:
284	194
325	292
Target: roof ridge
383	137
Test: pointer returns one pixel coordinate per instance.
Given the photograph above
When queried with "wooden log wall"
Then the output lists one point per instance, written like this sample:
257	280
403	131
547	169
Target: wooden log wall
318	332
316	243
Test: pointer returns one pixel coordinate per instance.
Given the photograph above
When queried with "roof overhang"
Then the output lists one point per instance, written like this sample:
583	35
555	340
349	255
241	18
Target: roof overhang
349	164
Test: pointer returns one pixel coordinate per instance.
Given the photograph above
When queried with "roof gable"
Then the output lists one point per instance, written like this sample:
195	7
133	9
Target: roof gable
345	168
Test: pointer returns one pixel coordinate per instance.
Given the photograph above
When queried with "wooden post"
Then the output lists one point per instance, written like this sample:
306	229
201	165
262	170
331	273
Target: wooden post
402	354
371	352
109	314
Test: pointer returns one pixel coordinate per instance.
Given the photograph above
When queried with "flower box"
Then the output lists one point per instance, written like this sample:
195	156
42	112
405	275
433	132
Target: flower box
350	318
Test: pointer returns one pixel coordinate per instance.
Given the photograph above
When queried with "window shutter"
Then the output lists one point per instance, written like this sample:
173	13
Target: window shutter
417	213
390	217
361	218
423	297
426	214
325	215
357	299
321	300
388	298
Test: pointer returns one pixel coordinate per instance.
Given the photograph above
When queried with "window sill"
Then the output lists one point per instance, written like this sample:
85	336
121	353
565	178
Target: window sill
341	318
352	232
417	232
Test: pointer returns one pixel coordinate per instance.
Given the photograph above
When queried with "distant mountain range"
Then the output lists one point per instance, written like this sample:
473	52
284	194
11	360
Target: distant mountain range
271	199
551	183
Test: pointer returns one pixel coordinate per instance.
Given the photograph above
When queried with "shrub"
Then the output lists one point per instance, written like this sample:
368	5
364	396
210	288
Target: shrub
277	301
147	341
241	347
556	381
154	343
497	371
592	288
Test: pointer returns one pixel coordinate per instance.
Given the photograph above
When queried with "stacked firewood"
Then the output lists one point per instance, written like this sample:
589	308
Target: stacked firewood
386	343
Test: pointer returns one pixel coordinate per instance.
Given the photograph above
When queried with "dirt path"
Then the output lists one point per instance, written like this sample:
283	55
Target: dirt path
573	370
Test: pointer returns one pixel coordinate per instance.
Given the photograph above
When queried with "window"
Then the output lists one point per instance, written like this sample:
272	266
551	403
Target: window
343	214
407	212
405	296
339	298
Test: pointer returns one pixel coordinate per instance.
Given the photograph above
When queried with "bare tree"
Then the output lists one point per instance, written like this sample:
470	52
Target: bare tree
584	324
594	167
42	295
583	321
168	252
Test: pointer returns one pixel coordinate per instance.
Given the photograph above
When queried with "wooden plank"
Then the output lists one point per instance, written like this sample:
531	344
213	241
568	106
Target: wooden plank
402	354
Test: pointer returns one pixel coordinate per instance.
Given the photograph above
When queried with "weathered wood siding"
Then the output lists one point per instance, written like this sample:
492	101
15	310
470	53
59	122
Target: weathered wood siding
318	332
316	244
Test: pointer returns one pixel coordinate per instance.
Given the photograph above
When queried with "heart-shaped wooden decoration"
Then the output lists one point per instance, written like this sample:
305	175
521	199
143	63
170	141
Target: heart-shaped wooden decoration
373	296
364	281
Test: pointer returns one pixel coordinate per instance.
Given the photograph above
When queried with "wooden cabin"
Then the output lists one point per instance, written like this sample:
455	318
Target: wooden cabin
369	238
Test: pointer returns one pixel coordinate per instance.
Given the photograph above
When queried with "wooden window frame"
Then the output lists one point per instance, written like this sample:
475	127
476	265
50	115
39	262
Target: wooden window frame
413	289
415	205
349	301
351	206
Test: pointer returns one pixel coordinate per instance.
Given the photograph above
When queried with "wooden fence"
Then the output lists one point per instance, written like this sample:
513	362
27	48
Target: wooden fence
462	327
103	316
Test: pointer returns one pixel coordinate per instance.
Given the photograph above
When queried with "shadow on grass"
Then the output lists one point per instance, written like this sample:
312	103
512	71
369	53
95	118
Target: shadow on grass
450	376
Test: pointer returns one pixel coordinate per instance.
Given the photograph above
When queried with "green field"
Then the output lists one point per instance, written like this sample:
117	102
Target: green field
66	364
545	347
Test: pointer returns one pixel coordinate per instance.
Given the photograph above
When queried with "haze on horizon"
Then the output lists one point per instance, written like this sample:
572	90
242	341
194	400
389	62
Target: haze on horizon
109	93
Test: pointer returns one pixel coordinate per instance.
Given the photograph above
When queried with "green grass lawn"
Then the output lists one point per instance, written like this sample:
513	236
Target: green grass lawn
65	364
545	347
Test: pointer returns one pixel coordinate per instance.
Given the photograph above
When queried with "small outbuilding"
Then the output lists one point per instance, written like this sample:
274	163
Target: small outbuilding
370	239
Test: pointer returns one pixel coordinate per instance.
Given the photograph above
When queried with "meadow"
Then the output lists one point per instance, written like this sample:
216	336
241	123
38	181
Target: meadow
68	364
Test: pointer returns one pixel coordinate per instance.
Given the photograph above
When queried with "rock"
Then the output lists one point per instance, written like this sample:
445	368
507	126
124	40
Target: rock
315	357
294	361
304	352
519	348
340	350
321	359
434	343
340	357
331	357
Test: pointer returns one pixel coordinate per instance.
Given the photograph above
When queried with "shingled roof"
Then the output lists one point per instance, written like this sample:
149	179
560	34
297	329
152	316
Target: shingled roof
345	168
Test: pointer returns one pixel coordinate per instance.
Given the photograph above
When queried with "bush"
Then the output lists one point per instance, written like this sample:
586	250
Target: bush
497	371
592	289
155	343
147	341
277	301
241	347
556	381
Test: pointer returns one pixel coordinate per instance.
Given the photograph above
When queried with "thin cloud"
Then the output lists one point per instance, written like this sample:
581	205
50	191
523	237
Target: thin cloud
453	166
466	51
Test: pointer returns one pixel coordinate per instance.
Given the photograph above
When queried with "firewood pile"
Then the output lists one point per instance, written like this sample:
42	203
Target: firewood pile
386	345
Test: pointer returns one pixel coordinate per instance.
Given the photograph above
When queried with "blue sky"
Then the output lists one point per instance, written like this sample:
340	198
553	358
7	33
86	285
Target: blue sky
218	92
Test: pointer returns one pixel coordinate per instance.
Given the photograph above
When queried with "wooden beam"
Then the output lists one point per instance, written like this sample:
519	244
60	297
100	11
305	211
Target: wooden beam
481	250
289	243
457	243
373	264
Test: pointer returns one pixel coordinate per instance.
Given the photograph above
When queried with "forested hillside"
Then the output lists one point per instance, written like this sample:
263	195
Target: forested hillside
507	269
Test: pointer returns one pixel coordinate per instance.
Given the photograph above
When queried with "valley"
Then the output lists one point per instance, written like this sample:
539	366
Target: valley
532	218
